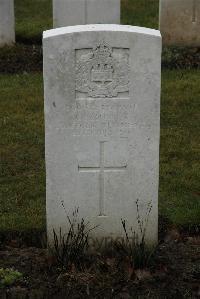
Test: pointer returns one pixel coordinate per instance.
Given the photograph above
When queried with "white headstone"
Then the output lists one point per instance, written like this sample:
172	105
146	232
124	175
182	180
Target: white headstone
102	109
81	12
7	22
180	22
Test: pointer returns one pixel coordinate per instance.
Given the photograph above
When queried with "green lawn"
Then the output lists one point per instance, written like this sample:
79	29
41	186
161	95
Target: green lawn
180	150
32	17
140	13
22	181
35	16
22	172
22	200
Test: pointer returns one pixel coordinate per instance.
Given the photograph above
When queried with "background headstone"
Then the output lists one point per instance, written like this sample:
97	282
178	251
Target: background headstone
180	22
7	22
81	12
102	109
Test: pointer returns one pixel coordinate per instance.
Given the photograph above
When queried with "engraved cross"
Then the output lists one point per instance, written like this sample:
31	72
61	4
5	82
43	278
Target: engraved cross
101	169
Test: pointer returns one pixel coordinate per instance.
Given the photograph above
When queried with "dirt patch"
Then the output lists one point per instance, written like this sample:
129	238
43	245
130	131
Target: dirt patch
28	58
181	58
28	238
174	274
20	59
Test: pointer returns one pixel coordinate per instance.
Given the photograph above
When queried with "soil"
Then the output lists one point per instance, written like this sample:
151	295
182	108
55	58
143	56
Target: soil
21	59
175	273
181	58
28	58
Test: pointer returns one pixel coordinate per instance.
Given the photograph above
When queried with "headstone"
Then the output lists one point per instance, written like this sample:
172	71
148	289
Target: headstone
81	12
180	22
7	22
102	107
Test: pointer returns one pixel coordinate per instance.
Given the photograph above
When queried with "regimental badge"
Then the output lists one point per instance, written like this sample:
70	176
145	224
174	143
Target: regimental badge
103	72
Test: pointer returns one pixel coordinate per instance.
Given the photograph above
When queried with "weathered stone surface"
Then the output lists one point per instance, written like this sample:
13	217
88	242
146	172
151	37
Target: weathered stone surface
7	22
102	107
81	12
180	22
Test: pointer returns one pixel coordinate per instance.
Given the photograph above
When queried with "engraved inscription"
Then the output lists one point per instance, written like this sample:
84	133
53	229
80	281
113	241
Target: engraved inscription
101	170
102	72
103	118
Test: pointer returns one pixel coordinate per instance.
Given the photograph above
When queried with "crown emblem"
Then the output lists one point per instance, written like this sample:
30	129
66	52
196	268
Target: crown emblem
102	72
102	50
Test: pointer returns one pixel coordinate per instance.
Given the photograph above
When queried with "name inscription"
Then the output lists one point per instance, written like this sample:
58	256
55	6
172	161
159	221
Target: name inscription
102	118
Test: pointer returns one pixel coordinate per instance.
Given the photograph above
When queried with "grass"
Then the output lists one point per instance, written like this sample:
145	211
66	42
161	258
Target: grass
35	16
22	185
180	155
22	175
32	17
140	13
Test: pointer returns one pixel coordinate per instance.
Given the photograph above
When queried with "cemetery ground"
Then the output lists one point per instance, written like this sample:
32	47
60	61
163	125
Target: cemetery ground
175	269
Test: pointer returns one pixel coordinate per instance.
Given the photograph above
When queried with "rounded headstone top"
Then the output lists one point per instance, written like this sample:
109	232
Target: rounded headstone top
100	27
